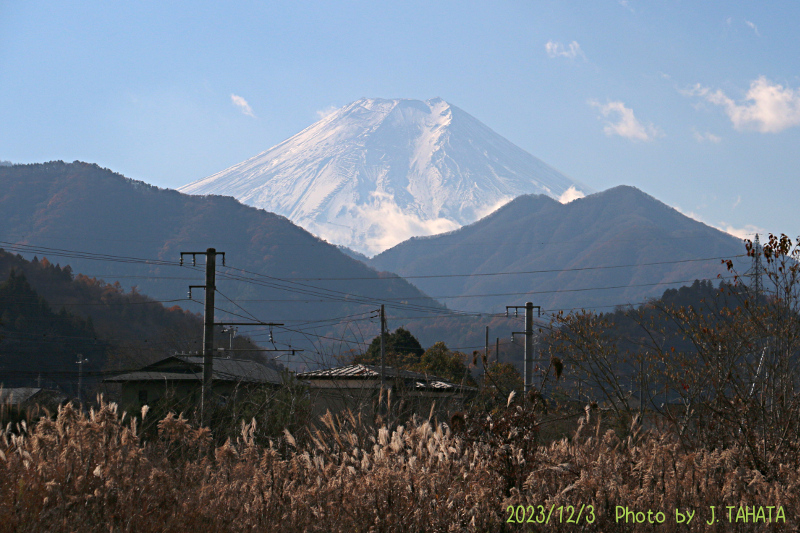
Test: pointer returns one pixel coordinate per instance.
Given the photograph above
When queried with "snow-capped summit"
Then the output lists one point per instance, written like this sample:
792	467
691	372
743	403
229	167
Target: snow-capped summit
376	172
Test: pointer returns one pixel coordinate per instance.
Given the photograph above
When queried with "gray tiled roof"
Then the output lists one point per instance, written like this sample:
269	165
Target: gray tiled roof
17	395
24	395
190	367
360	371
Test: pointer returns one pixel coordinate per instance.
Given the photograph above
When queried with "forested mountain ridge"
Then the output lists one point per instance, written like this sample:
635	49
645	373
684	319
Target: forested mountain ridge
616	247
48	316
39	345
81	207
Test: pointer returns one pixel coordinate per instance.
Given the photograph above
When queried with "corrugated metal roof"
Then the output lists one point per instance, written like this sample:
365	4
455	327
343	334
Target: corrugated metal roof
190	367
440	385
360	371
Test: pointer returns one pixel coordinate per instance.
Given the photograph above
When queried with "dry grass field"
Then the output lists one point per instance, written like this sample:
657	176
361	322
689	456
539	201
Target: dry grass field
94	472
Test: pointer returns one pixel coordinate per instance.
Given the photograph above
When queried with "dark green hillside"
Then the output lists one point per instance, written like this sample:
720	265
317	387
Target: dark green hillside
564	245
39	345
83	207
49	316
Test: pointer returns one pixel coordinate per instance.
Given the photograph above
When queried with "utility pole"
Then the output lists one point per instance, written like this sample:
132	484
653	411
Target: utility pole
757	269
497	350
383	348
233	331
528	362
485	353
80	362
208	323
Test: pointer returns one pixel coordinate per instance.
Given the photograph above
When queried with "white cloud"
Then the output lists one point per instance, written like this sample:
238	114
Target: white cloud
328	111
242	104
626	4
489	209
738	201
624	123
752	27
570	194
389	225
745	232
767	107
706	137
556	49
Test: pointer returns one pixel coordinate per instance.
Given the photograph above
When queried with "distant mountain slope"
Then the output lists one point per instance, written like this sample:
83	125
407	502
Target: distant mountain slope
83	207
377	172
620	226
124	329
39	345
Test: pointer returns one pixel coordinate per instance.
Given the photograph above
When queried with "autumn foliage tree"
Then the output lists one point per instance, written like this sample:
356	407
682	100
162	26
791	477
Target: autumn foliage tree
719	372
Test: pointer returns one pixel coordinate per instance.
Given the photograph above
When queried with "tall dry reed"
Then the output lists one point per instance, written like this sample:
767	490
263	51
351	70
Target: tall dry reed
93	472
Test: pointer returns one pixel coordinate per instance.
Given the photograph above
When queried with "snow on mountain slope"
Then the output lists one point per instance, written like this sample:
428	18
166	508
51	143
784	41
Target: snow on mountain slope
377	172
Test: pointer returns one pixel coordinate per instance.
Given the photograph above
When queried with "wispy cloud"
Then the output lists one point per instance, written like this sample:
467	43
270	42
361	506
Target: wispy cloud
752	27
706	137
621	121
571	51
743	232
242	104
570	194
767	107
389	225
328	111
626	4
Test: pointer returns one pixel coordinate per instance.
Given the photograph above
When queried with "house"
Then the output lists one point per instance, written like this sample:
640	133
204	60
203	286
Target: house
357	387
23	397
181	376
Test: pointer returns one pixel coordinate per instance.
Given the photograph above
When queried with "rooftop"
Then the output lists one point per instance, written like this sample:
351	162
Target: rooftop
372	372
190	368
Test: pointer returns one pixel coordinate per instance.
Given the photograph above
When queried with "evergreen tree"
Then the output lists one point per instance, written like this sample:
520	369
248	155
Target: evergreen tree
403	350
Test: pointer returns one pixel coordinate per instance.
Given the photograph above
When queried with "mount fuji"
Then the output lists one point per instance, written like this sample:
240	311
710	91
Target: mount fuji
377	172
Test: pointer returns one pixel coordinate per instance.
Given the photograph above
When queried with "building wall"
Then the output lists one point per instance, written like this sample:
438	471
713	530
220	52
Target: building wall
133	392
361	397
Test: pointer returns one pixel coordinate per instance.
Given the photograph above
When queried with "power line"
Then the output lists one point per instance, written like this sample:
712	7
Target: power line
62	252
336	295
518	272
565	290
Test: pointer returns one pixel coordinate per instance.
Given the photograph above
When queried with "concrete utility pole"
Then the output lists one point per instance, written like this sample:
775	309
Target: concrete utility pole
757	270
528	346
486	353
79	362
208	323
233	331
528	363
497	350
383	348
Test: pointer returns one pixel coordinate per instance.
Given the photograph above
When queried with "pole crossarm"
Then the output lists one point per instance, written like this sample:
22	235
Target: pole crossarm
247	324
516	309
263	350
195	287
195	254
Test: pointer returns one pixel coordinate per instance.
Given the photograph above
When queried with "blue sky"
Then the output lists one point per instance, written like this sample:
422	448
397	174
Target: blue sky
696	103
